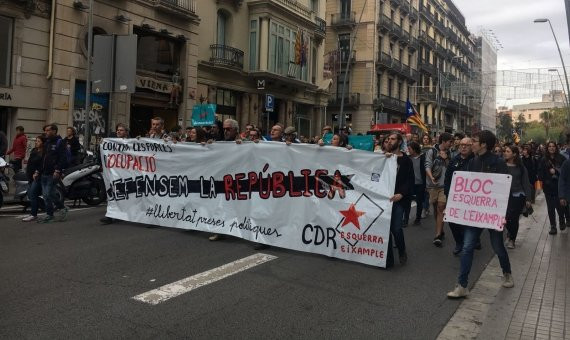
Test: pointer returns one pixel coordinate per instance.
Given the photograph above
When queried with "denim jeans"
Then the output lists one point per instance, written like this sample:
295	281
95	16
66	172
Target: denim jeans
396	232
34	191
48	190
470	238
514	211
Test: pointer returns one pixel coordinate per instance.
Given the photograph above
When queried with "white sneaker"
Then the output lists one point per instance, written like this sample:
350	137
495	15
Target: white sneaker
29	218
510	244
508	280
458	292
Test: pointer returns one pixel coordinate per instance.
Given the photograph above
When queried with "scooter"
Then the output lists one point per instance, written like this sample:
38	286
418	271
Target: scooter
21	193
84	182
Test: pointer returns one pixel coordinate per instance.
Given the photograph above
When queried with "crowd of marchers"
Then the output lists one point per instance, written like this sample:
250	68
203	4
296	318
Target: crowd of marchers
424	174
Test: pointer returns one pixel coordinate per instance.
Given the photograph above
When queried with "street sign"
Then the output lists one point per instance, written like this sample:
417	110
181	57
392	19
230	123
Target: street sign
269	102
261	84
347	117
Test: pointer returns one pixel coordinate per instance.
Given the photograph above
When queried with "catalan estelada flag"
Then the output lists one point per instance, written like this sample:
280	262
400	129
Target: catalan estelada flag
413	117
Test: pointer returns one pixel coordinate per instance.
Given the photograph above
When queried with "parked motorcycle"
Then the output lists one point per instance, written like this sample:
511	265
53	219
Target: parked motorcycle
85	181
3	181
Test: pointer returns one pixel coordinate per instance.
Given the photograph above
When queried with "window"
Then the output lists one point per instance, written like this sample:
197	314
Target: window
282	52
390	85
345	8
379	85
221	28
401	54
315	6
400	89
157	53
6	25
344	46
253	45
339	82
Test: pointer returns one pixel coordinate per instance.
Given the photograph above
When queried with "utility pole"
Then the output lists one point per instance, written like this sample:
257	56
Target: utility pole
341	118
87	133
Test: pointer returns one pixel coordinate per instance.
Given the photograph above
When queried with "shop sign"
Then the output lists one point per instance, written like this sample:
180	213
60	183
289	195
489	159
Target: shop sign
154	84
5	96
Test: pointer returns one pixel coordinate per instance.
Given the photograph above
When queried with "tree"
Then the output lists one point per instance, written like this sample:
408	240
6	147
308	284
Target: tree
520	124
505	127
546	121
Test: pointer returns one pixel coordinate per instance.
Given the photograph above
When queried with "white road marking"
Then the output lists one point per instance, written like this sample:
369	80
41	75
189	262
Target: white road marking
190	283
42	214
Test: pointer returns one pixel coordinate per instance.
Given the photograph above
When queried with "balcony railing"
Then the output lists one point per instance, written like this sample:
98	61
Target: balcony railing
396	31
346	56
350	99
396	3
385	60
321	26
425	95
426	13
227	56
413	14
392	103
343	18
413	43
427	67
296	7
440	49
176	7
385	23
427	39
440	26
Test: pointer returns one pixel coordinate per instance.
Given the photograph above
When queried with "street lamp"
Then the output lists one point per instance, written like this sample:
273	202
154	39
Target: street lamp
560	53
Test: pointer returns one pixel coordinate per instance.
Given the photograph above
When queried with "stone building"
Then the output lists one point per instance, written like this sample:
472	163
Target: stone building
251	49
49	54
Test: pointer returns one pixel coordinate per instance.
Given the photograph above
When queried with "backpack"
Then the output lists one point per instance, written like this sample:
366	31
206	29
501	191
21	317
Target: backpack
437	166
68	157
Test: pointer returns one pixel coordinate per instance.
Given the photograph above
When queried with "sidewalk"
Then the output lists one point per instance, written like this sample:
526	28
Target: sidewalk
538	307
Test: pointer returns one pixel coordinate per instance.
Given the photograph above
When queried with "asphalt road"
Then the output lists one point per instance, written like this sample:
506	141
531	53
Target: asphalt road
76	279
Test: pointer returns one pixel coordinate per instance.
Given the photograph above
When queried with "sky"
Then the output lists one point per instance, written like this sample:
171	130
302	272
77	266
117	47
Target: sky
526	45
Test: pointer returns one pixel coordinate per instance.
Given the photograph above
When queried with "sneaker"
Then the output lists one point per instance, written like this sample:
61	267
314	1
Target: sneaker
437	241
564	225
215	237
403	259
29	218
510	244
508	280
62	213
260	246
458	292
106	220
553	230
47	219
418	222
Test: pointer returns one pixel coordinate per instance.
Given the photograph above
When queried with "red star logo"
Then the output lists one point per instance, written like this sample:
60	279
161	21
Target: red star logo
351	216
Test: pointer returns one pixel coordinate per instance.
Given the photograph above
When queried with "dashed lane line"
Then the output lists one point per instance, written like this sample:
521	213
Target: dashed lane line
169	291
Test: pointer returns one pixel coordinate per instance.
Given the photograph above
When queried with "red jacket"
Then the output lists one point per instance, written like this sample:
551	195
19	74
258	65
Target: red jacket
19	146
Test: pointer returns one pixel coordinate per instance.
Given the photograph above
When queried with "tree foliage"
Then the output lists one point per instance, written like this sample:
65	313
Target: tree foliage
505	127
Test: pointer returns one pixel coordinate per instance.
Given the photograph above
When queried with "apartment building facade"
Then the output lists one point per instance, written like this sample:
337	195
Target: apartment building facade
252	49
395	50
48	63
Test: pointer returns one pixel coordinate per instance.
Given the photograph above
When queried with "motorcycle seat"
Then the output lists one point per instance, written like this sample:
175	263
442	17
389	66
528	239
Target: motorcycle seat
76	168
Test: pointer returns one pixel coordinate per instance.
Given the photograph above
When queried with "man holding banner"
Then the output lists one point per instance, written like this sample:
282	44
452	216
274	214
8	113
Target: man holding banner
482	200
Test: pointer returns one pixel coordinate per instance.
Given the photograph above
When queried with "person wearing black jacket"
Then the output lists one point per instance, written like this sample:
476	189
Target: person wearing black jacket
33	172
484	161
549	172
458	163
72	143
54	162
531	166
419	177
402	193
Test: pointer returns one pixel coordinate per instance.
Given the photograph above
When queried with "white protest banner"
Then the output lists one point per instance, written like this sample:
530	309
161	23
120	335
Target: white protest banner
324	200
478	199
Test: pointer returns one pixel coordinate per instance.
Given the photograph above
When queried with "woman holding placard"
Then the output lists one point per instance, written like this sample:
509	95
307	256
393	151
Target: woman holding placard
520	192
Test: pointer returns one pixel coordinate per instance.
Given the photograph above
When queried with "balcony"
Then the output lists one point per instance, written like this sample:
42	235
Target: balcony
343	19
346	56
404	37
180	8
413	44
321	29
391	103
426	13
384	61
295	7
427	67
396	31
350	99
427	39
440	49
413	14
226	56
405	8
385	23
396	3
450	77
451	104
439	25
425	95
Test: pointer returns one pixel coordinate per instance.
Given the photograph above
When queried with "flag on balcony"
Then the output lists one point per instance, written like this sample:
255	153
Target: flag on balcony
304	47
413	117
516	137
298	47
